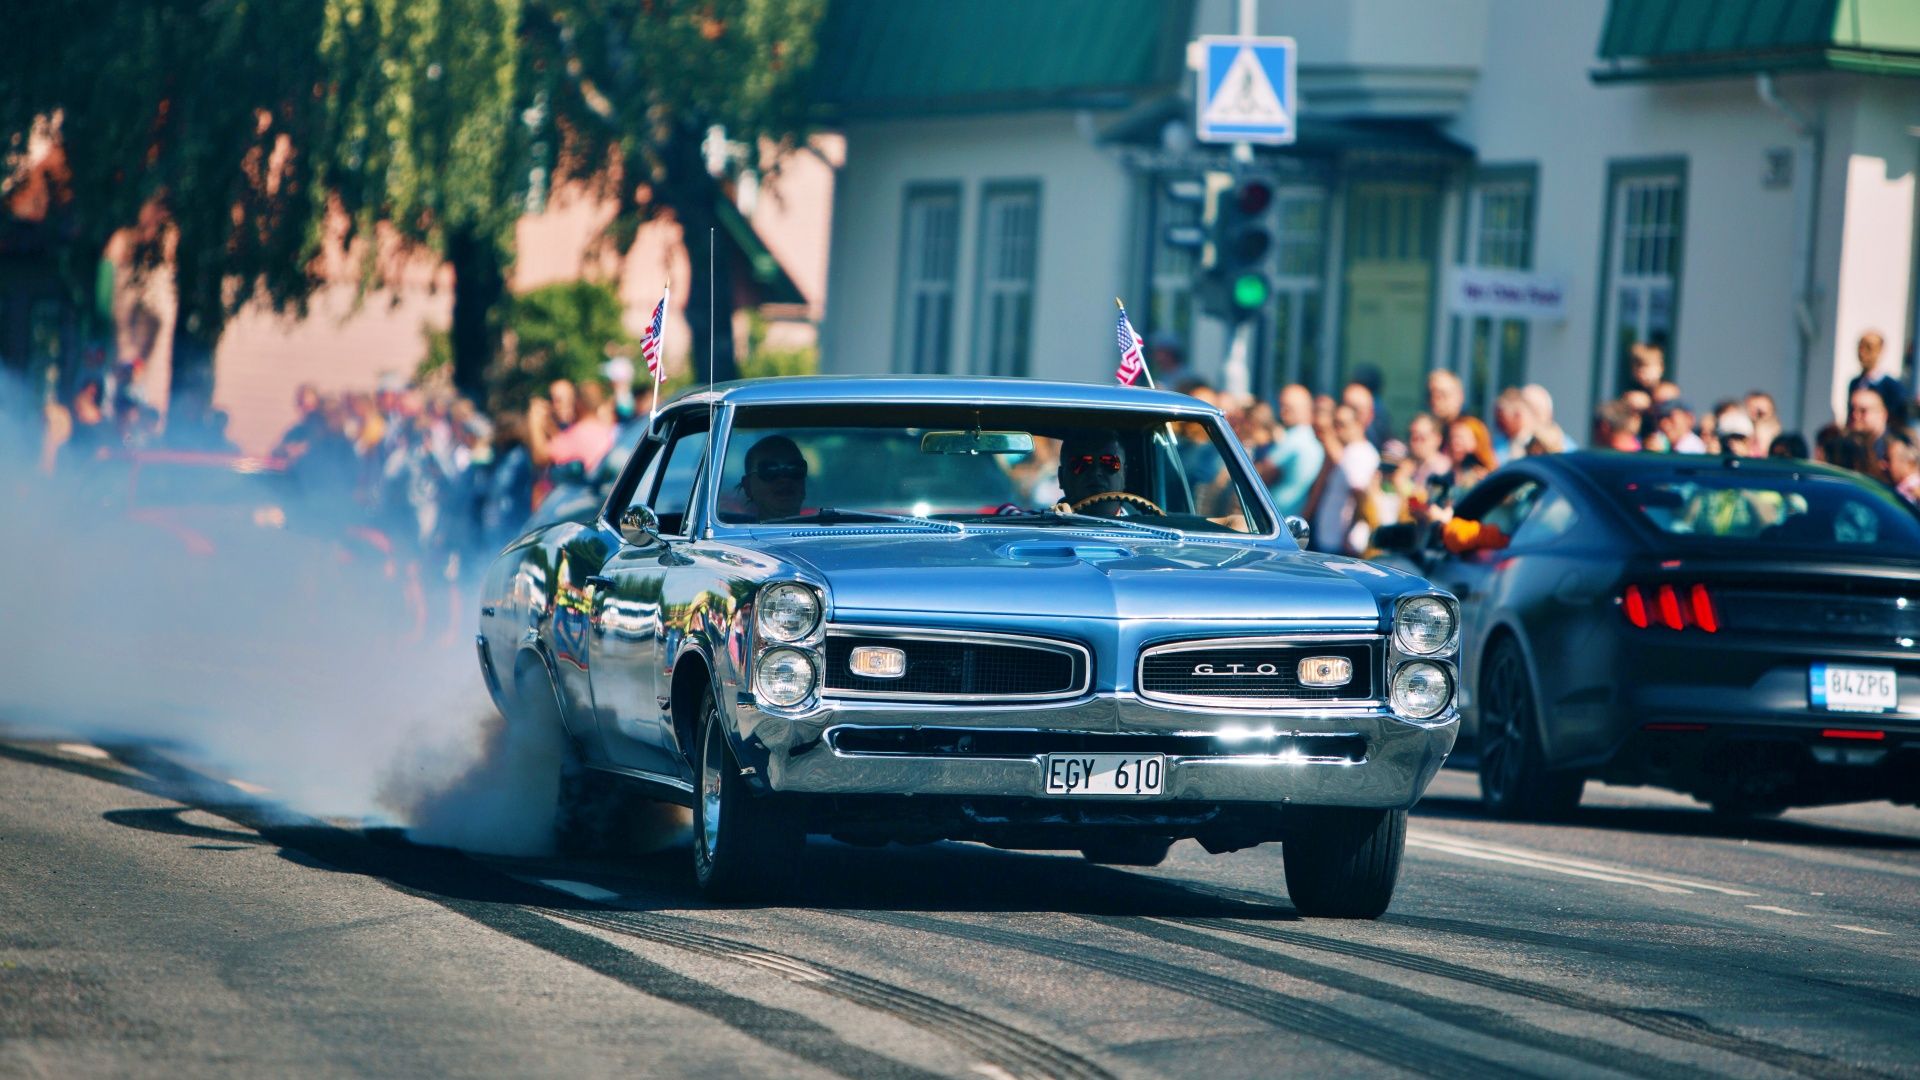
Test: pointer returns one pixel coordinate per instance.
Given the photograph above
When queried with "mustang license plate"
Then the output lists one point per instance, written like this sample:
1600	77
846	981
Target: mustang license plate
1853	689
1104	774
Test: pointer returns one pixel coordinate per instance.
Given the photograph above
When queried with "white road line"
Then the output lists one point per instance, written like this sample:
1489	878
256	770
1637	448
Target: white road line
581	889
1777	910
1862	930
993	1072
1561	864
85	750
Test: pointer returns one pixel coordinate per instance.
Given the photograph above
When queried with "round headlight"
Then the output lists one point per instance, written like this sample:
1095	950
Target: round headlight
787	612
784	677
1423	625
1420	690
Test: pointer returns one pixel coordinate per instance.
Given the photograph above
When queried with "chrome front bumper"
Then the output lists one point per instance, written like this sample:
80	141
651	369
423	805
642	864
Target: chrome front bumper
1401	757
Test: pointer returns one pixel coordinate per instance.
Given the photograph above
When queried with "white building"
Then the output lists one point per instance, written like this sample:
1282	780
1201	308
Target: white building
1736	178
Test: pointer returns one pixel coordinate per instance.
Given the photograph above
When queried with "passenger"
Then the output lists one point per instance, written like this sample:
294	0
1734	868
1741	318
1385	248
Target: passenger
1093	463
775	483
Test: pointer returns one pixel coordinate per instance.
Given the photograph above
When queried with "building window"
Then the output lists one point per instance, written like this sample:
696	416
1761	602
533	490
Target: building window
1499	236
1009	233
927	265
1646	217
1170	306
1300	265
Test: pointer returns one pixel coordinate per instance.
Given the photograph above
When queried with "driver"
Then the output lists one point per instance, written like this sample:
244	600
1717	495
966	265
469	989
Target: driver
775	483
1094	463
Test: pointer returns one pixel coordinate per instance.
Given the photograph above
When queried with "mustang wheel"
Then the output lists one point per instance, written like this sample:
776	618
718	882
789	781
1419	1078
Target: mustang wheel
1342	863
743	845
1514	779
1128	851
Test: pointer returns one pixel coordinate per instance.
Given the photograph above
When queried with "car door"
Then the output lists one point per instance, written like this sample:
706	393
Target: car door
630	641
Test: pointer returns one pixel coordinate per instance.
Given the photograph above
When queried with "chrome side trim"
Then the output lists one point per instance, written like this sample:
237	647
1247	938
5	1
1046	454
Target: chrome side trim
1376	644
1067	648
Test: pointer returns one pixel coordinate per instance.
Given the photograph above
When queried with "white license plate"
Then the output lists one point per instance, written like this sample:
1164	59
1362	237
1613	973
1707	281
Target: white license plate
1853	689
1104	774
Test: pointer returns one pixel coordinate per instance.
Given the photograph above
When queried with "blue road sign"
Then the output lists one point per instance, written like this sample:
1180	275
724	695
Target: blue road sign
1246	91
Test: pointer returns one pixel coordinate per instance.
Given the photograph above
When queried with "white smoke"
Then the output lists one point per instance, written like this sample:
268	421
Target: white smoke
283	656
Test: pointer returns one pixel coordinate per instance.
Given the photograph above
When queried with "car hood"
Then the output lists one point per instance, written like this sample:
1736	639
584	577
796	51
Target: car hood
1036	572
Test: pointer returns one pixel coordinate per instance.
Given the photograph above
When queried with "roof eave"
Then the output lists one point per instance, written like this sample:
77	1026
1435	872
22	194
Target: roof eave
1733	65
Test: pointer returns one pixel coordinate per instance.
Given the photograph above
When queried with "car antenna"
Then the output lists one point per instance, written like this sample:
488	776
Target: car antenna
712	463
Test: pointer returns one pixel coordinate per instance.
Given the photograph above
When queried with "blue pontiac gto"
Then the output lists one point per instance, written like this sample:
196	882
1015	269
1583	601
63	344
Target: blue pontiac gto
1036	615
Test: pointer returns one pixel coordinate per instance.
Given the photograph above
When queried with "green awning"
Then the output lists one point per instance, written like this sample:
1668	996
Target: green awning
770	279
881	58
1682	39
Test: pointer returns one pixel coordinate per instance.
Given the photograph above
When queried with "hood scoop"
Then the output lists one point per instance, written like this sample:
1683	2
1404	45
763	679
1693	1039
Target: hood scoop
1061	551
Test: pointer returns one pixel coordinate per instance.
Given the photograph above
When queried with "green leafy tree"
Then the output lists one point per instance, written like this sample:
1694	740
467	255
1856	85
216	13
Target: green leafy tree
634	88
561	331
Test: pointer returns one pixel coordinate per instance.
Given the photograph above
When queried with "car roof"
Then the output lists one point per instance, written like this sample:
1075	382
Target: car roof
1609	464
941	389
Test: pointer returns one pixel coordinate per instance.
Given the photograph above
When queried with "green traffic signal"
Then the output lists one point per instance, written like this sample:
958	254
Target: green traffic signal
1250	292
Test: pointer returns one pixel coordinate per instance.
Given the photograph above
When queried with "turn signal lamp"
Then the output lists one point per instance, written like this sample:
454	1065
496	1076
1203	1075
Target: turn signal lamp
877	662
1325	671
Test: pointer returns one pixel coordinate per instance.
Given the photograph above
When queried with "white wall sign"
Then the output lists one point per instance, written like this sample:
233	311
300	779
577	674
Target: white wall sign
1506	294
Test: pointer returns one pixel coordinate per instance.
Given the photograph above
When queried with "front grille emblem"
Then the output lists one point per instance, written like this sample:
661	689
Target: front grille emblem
1229	670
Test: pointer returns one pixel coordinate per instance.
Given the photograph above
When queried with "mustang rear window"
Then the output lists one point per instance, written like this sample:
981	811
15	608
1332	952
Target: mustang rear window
981	464
1777	511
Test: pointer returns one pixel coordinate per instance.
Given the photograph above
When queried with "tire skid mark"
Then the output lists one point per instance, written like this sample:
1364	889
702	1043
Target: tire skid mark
1312	1019
1679	1026
1006	1048
503	904
1481	1020
1696	962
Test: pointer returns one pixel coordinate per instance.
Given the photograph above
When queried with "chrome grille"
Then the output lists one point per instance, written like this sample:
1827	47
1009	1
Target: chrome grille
960	667
1252	672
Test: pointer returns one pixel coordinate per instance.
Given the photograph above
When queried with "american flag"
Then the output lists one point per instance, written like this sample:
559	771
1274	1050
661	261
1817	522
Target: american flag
1132	362
650	341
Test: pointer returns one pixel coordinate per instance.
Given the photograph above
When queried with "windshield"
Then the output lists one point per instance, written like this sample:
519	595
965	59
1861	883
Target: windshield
1775	511
977	464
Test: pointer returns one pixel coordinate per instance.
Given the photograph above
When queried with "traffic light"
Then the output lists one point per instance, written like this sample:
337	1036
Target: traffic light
1243	237
1246	239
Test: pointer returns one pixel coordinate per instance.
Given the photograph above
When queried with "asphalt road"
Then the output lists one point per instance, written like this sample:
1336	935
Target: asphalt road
154	924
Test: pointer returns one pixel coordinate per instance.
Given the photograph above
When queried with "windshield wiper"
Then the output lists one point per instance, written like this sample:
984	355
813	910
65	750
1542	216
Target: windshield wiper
828	513
1160	531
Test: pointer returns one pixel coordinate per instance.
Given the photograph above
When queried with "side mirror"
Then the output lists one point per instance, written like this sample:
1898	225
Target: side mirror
638	525
1298	528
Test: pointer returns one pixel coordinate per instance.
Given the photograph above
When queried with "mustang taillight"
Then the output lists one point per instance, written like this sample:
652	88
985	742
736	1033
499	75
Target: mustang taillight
1672	607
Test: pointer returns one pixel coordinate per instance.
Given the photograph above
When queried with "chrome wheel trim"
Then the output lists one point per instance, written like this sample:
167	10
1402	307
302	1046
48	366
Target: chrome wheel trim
710	784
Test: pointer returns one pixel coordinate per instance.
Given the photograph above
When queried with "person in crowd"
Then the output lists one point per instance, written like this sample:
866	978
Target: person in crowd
1513	424
307	425
1880	373
1867	414
1470	448
1733	429
1902	465
1616	426
1446	397
1167	357
1293	465
1766	419
1665	392
1360	399
1339	525
1673	420
1426	472
90	433
1647	365
1541	402
1640	401
1380	428
1854	451
1790	444
586	439
509	495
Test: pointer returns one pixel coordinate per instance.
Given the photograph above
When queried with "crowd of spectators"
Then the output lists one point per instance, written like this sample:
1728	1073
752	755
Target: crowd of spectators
1340	463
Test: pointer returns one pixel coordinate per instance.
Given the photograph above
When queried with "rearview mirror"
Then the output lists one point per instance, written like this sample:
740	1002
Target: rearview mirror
639	526
976	442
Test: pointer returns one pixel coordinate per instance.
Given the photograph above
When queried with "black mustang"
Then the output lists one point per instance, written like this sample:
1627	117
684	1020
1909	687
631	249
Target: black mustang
1743	630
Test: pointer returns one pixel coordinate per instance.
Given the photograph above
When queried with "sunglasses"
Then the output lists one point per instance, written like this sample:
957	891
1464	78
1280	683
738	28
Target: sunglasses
1109	462
772	471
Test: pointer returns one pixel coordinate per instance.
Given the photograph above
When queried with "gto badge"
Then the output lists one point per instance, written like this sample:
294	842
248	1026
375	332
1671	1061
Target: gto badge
1235	669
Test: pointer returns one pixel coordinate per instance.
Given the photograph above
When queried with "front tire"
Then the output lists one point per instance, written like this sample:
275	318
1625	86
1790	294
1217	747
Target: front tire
1342	863
745	846
1514	779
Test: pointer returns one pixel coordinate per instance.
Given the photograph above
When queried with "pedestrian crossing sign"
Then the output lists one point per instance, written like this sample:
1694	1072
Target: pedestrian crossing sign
1246	91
